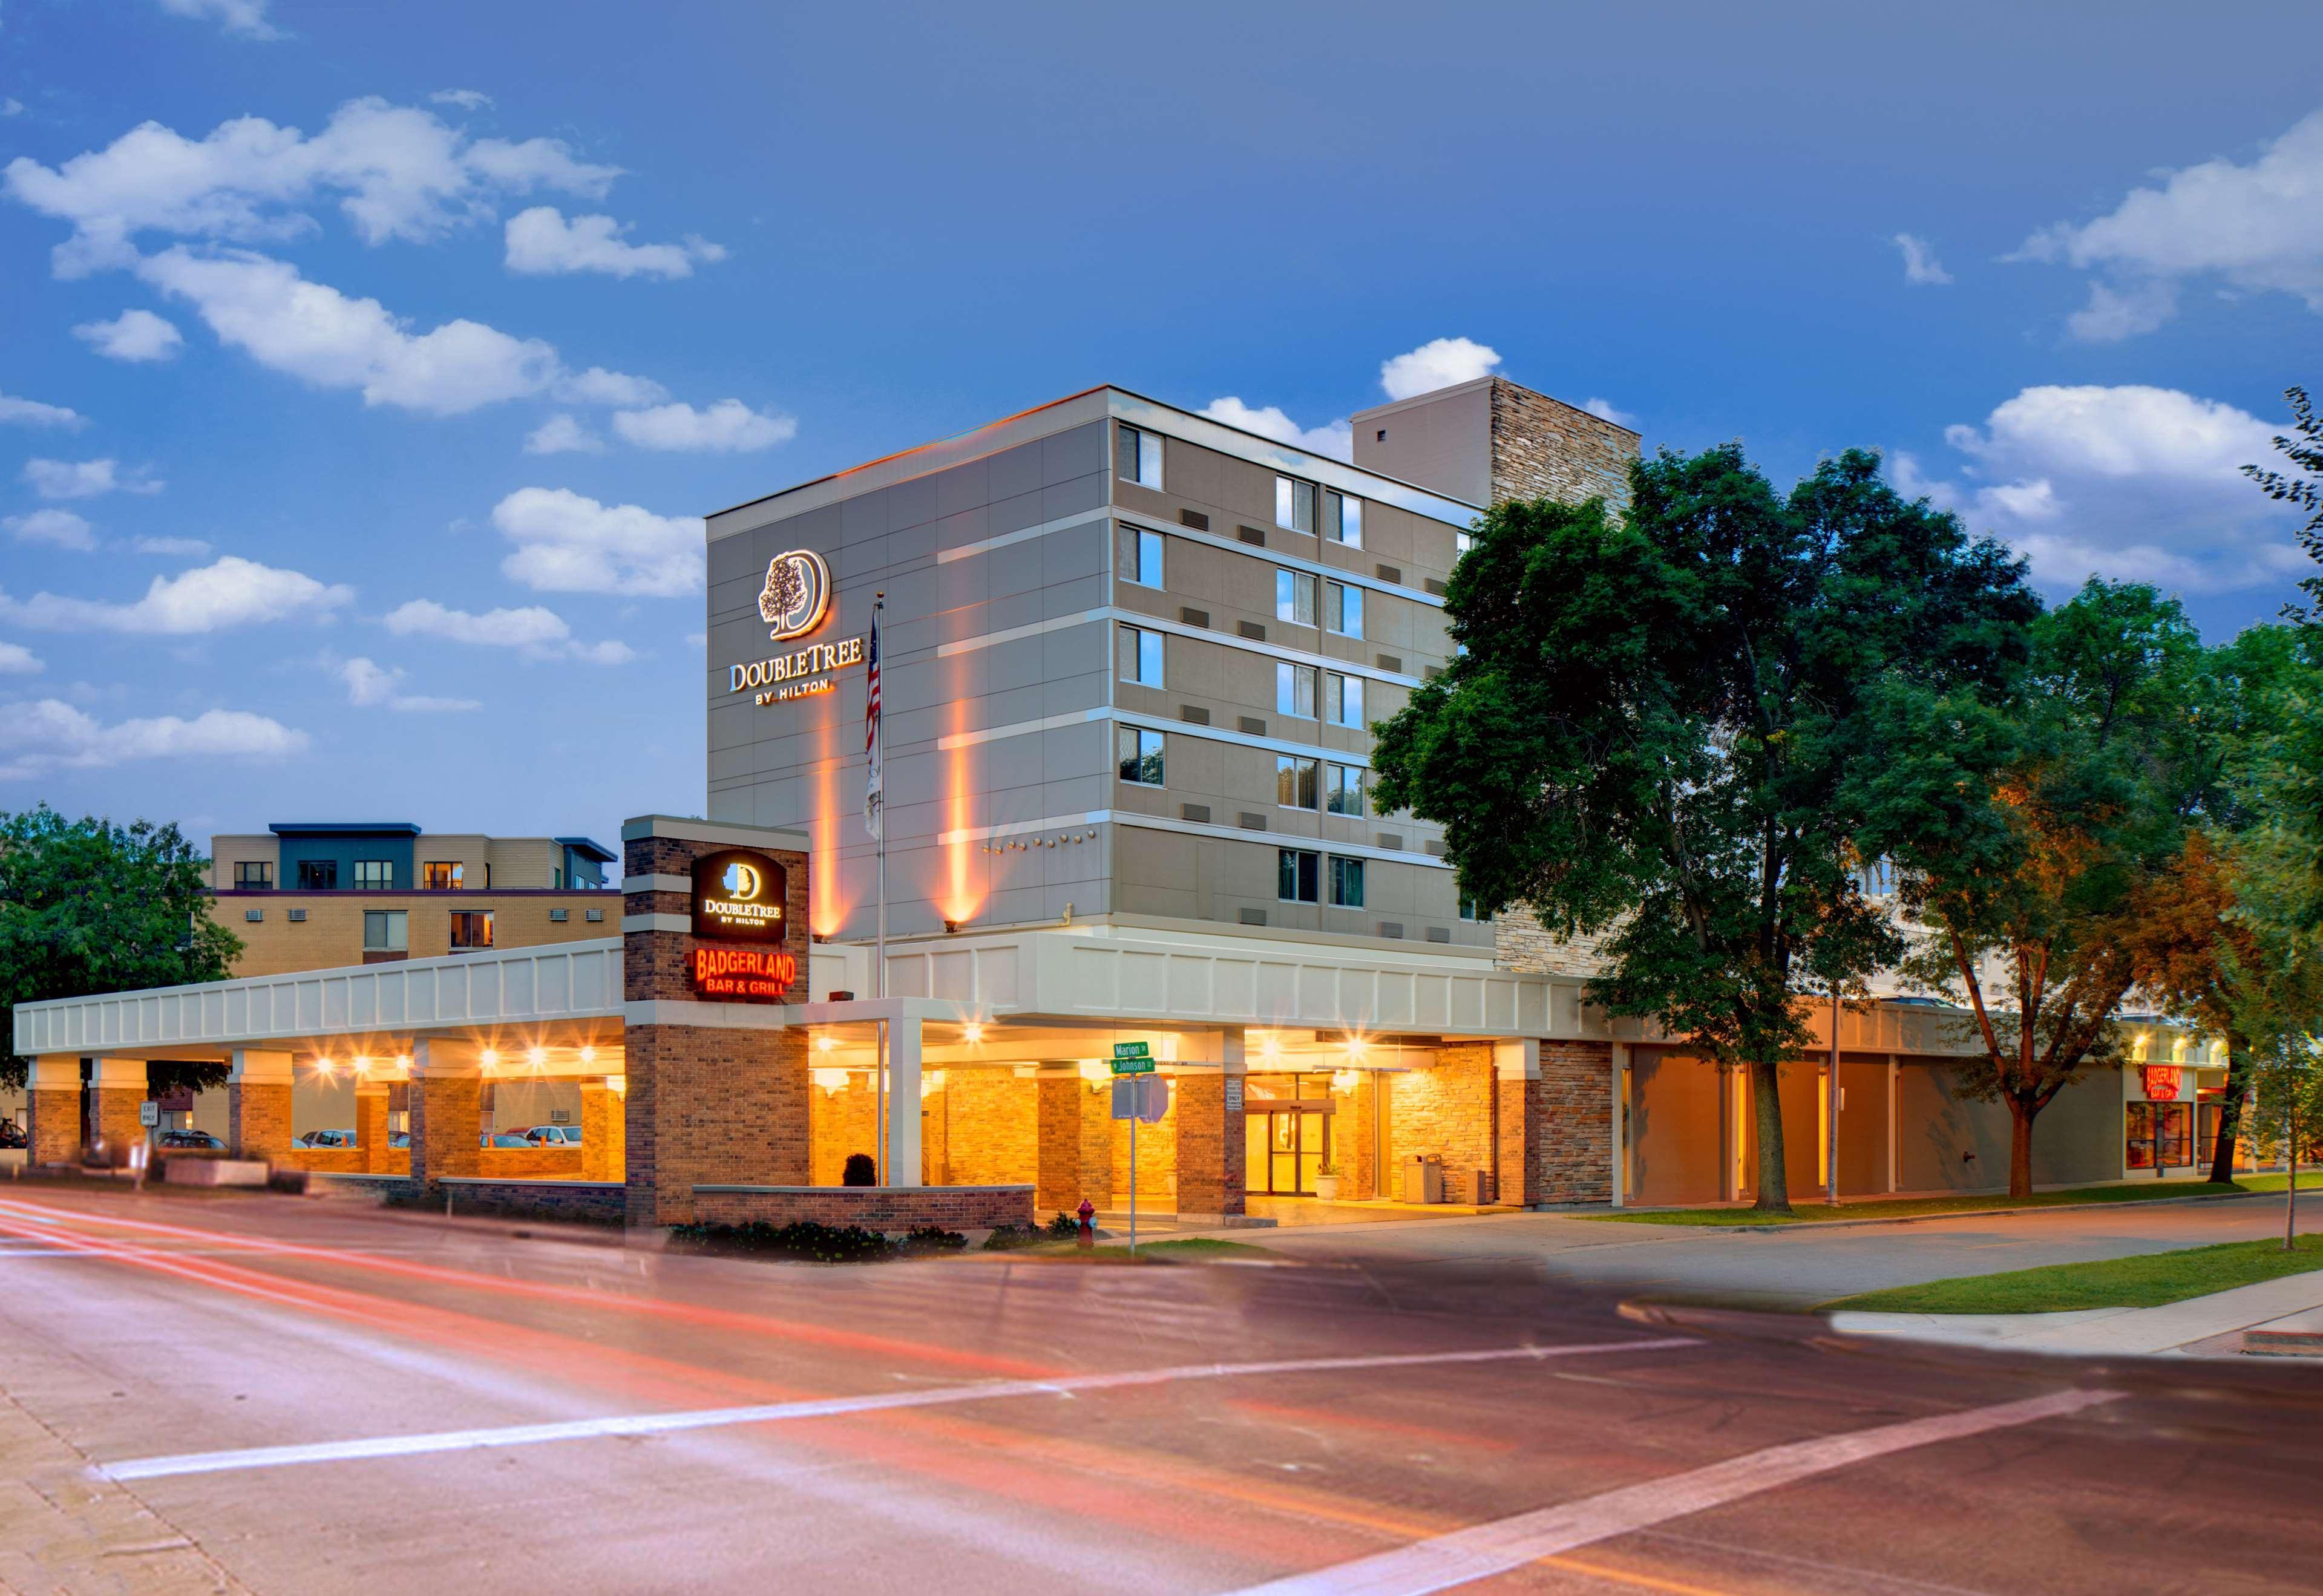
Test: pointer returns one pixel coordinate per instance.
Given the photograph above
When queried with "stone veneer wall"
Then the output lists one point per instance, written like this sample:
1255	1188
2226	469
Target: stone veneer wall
706	1103
1449	1110
1519	942
1574	1155
1544	448
889	1209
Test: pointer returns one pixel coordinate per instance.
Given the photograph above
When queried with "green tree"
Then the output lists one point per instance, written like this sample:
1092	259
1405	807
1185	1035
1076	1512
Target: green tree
2039	841
89	906
2304	452
1650	719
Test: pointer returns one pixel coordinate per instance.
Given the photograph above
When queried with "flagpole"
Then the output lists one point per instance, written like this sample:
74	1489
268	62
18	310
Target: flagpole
879	952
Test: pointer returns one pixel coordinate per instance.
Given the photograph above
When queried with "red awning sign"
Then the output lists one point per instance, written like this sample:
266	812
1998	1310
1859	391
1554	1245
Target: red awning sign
2161	1082
744	974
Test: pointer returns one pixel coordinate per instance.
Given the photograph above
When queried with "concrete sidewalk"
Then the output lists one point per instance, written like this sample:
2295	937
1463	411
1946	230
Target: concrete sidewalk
2200	1327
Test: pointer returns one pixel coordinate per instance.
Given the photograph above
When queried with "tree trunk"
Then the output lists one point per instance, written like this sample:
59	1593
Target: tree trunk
2020	1148
1766	1116
2230	1109
2291	1179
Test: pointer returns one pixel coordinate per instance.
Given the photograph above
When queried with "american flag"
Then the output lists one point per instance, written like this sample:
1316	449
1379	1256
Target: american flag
871	794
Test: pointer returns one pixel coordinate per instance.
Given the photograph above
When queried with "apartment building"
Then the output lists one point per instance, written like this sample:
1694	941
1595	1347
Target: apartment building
312	894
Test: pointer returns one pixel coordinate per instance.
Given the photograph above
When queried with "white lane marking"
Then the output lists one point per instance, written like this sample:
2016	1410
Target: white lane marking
656	1423
1487	1549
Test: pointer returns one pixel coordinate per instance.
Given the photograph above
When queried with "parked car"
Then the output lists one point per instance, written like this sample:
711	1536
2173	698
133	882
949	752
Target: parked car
401	1139
553	1135
190	1142
327	1139
502	1139
12	1135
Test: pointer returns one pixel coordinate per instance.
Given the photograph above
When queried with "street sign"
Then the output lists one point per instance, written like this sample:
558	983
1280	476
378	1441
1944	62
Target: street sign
1141	1098
149	1114
1132	1058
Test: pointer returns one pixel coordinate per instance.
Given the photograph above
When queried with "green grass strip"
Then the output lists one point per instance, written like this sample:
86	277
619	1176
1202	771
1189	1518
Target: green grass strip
2151	1280
1814	1210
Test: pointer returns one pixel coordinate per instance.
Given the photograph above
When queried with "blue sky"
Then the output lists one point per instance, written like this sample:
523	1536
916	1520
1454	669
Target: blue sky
367	368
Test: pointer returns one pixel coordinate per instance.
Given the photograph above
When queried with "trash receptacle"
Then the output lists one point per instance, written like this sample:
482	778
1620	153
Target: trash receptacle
1423	1178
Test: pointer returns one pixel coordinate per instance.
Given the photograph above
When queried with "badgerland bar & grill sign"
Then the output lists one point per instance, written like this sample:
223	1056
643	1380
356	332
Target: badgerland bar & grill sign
741	897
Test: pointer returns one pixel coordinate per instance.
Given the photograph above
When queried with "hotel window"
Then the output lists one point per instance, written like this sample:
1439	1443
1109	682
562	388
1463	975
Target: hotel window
1344	609
471	930
1343	793
1295	872
1294	598
437	876
1342	701
1294	504
1347	883
254	875
1141	757
1141	556
1141	656
1294	782
386	931
318	875
1343	519
1469	910
374	875
1294	690
1137	456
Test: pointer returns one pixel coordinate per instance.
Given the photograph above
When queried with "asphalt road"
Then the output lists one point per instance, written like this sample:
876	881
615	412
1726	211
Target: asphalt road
1793	1267
285	1396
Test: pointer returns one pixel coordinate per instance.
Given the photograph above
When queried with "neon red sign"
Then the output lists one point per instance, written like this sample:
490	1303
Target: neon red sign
2161	1082
744	974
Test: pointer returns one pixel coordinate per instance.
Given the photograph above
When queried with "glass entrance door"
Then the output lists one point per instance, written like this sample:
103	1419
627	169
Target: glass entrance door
1285	1148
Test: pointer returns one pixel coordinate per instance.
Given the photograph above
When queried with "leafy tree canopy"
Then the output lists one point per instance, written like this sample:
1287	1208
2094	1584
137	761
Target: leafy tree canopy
1651	720
88	906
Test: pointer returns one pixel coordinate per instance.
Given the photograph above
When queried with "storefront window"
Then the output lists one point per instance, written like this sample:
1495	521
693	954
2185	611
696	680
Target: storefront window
2161	1135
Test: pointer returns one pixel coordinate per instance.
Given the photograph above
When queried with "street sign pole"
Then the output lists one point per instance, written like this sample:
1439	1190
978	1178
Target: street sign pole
1133	1186
1134	1060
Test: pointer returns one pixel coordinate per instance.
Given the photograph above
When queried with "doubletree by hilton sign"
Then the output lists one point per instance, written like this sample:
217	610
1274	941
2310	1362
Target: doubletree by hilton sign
741	897
794	602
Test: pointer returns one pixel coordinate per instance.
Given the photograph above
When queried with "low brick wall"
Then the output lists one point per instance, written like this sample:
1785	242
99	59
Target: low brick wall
529	1163
889	1208
582	1202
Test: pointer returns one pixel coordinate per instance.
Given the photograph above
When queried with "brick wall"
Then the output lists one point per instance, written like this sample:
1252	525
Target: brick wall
446	1114
601	1131
987	1124
1573	1151
1449	1110
332	934
371	1135
1545	448
889	1209
113	1114
52	1116
840	1123
1211	1177
1518	1119
1157	1154
258	1118
582	1202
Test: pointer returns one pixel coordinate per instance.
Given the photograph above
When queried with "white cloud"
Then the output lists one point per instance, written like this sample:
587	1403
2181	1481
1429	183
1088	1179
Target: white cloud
1921	266
16	660
1334	438
399	173
562	434
246	18
51	735
542	243
540	633
730	426
24	412
370	684
1604	410
1441	363
133	336
598	386
85	479
2257	227
567	543
59	527
193	546
232	591
318	334
2132	482
467	99
12	106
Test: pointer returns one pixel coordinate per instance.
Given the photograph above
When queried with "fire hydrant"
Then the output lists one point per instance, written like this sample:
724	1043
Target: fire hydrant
1089	1223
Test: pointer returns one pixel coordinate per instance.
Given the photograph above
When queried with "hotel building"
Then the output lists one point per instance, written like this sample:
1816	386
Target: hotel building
1130	661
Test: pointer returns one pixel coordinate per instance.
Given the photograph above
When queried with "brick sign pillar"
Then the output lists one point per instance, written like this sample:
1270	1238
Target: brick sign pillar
258	1104
52	1109
715	1097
